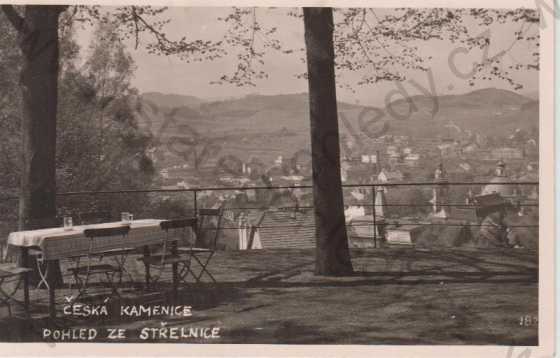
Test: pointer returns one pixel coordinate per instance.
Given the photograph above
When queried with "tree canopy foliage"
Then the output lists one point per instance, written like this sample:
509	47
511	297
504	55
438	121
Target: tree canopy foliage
100	145
384	45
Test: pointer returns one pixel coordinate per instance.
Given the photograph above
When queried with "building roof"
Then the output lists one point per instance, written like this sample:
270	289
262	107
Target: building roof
283	229
391	175
530	176
497	187
404	227
486	200
468	214
358	174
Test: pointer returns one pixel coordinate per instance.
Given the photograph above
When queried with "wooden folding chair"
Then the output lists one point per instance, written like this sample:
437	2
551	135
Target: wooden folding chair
117	255
11	274
175	230
36	255
83	218
204	250
93	266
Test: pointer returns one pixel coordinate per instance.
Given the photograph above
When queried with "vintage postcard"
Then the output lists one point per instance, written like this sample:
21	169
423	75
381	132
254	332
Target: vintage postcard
277	178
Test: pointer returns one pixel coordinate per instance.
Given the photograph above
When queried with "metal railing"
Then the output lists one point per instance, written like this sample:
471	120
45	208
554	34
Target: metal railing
195	194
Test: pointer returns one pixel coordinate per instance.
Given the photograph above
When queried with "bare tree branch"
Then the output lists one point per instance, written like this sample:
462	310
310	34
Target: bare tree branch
252	39
136	29
135	20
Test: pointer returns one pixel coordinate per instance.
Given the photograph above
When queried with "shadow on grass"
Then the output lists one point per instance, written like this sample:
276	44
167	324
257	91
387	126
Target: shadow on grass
470	266
437	267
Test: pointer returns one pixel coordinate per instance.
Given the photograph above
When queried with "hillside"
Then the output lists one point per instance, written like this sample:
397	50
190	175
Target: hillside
268	126
488	111
166	100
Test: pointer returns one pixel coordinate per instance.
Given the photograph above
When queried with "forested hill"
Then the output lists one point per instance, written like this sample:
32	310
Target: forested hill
488	111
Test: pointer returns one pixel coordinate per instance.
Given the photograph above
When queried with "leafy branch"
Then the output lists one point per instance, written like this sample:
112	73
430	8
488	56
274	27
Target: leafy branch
253	39
147	23
385	48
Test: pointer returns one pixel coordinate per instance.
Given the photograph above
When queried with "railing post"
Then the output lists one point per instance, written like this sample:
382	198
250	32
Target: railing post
195	203
374	217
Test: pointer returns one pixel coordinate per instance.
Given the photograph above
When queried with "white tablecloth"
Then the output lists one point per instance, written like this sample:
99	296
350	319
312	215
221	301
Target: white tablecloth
58	243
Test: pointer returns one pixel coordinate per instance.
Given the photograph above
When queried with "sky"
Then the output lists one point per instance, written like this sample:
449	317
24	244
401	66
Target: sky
169	74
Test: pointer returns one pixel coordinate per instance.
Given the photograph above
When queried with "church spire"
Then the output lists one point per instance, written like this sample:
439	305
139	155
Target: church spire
439	192
380	202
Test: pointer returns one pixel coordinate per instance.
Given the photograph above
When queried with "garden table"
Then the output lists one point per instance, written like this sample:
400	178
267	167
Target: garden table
59	243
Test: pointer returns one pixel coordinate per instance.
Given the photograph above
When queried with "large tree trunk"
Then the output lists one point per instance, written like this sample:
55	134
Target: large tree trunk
332	254
39	80
38	37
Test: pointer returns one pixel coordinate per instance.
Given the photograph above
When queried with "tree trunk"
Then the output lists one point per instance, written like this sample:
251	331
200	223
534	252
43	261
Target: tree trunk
39	79
39	85
332	253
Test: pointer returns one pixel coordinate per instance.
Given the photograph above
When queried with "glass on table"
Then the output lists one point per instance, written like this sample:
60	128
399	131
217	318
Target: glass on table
125	217
67	222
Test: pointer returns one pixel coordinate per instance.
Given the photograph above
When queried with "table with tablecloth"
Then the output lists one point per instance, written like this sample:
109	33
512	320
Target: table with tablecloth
59	243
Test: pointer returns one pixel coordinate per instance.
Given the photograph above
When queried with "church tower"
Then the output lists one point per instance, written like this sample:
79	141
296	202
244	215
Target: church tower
440	193
380	202
379	211
501	169
469	200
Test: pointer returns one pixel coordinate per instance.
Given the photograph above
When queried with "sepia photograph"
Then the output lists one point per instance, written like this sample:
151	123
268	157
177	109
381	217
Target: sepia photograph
277	175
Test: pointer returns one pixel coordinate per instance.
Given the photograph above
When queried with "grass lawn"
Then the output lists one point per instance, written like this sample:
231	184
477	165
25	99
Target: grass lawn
397	296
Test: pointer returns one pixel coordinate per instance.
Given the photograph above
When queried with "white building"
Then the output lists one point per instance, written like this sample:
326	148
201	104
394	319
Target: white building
440	194
353	212
369	158
386	176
